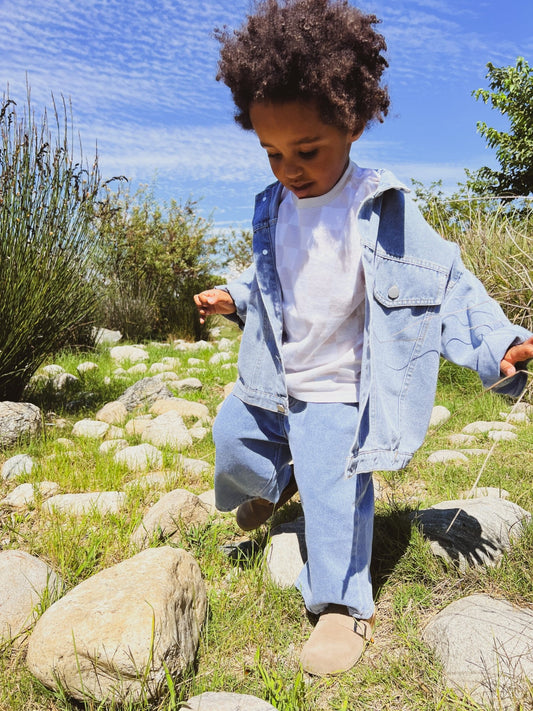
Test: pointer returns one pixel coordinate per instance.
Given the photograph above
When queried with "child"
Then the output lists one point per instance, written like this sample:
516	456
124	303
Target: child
349	303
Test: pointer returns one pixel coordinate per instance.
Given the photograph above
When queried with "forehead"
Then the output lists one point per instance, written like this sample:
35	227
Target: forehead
292	122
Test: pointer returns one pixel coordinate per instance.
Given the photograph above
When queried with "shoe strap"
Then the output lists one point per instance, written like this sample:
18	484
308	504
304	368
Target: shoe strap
364	629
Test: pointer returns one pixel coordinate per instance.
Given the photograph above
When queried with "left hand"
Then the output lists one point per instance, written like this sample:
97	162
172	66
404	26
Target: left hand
516	354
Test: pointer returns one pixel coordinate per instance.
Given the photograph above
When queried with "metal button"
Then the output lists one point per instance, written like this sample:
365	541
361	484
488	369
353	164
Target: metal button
265	252
281	409
394	292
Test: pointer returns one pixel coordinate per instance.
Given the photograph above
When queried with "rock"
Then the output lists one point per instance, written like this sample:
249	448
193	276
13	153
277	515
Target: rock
65	443
86	367
198	432
132	354
106	337
95	429
137	425
140	457
24	582
155	480
156	368
114	413
114	432
170	360
485	646
208	500
519	417
51	370
447	455
439	416
472	532
502	435
481	426
113	445
168	376
480	491
188	385
173	510
25	494
185	408
228	389
287	552
64	381
17	465
225	344
220	357
226	701
167	430
114	637
138	369
194	361
144	392
460	440
79	504
193	467
18	421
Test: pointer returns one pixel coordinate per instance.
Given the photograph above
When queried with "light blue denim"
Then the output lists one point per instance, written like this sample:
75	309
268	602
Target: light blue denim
421	302
254	449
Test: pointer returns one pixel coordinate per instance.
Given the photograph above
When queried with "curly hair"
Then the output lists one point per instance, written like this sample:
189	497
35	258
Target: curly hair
324	51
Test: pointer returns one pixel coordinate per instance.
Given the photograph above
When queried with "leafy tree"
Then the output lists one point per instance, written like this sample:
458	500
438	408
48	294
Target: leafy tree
511	93
153	260
47	199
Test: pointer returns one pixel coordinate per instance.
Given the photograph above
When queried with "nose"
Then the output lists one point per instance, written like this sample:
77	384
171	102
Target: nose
292	170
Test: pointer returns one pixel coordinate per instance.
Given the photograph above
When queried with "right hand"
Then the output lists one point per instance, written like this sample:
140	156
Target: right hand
214	301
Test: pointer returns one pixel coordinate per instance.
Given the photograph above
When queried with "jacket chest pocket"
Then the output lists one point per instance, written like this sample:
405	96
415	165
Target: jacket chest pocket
407	299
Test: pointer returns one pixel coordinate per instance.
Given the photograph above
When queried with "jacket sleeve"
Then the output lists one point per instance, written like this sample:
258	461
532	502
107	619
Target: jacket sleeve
477	334
240	289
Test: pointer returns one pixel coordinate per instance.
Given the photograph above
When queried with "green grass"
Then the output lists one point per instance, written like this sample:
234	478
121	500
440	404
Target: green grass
254	630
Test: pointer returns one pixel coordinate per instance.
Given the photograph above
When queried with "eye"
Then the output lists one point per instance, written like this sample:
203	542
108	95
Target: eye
274	156
308	155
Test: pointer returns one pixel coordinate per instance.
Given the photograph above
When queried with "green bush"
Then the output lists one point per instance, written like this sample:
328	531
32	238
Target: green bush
47	198
153	260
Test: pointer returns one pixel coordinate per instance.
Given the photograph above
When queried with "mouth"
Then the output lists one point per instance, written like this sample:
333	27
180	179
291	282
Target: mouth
301	190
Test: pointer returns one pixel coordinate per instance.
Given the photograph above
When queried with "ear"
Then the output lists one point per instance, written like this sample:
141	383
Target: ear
356	134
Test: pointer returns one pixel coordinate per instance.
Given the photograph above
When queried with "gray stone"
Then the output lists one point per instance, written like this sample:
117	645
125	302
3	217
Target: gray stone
208	500
167	430
460	440
138	369
226	701
447	455
173	510
188	385
502	435
140	458
114	637
221	357
482	426
471	532
86	367
24	582
79	504
518	417
144	392
25	494
137	425
133	354
17	465
18	420
156	368
64	381
52	369
194	467
486	648
287	552
94	429
155	480
439	415
106	337
113	445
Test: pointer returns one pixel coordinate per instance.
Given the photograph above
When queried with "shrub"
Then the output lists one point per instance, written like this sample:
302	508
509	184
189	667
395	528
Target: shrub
156	259
47	299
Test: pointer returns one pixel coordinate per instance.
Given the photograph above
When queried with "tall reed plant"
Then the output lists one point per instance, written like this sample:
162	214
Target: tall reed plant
47	198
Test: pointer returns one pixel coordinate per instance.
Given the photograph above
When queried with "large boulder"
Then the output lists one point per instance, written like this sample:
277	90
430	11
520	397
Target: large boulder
470	532
486	648
144	392
25	581
114	637
18	420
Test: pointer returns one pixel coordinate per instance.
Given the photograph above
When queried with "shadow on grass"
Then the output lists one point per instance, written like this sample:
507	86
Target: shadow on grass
392	533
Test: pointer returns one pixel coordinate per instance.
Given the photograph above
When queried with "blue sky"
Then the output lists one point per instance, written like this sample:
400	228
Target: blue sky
141	78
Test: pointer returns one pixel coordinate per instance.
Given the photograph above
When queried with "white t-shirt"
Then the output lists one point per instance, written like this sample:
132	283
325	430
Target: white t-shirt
318	259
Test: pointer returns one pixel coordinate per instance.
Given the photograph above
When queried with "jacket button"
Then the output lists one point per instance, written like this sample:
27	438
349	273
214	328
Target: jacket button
281	409
265	252
394	292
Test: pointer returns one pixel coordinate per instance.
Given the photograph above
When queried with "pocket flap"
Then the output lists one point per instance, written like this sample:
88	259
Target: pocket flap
398	283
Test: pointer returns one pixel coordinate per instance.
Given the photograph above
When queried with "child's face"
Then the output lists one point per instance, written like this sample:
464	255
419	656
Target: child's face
306	155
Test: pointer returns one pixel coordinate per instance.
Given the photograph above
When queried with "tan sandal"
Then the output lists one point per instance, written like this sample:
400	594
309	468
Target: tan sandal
337	642
255	512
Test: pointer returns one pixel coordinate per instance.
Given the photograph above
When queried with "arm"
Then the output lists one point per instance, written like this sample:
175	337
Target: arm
231	300
477	334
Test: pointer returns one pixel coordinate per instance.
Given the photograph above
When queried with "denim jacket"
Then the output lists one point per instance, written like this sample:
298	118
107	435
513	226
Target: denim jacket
421	302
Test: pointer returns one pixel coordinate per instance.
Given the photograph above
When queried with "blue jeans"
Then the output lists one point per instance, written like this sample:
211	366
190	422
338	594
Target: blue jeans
254	451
